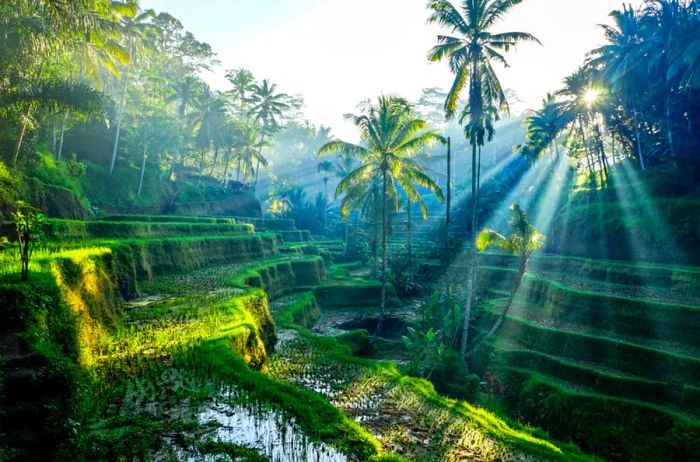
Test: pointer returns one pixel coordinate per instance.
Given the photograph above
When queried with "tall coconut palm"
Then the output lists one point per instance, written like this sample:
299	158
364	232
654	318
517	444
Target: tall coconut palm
620	61
208	117
184	94
243	85
544	126
267	107
471	53
100	51
135	29
524	241
391	136
52	97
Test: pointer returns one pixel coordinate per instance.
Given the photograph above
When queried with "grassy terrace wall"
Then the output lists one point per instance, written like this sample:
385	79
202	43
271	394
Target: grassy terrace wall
169	219
76	321
621	430
85	230
614	371
619	316
681	278
280	277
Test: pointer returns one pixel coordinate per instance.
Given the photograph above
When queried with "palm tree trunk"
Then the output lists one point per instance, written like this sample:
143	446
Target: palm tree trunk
589	157
227	160
53	138
471	272
640	155
213	164
448	201
257	166
22	132
325	211
143	167
513	291
382	305
410	231
63	132
122	106
669	131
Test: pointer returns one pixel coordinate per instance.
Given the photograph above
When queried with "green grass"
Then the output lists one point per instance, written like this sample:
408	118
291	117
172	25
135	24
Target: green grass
631	358
58	230
619	429
685	398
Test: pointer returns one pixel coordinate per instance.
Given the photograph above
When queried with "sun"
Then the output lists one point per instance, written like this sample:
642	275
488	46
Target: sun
591	96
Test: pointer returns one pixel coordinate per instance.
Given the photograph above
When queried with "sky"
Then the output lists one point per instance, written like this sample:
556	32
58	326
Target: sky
336	53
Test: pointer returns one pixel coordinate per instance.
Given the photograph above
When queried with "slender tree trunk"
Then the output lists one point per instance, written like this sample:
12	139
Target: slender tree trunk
669	130
409	224
53	138
227	160
448	202
257	167
347	236
638	137
143	167
216	158
201	164
63	132
122	106
504	312
22	132
26	238
382	305
325	211
238	170
589	158
471	272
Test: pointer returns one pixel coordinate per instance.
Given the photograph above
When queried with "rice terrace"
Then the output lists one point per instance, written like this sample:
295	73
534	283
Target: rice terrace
342	231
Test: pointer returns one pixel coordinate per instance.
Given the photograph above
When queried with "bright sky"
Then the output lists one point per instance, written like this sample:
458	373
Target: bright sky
338	52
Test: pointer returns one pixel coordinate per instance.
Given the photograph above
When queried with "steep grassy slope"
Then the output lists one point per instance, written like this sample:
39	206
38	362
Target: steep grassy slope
603	352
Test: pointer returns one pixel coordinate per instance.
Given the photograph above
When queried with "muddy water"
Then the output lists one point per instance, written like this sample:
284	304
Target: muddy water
274	435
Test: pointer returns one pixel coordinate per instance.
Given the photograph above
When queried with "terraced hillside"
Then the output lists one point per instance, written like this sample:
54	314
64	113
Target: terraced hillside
174	338
605	353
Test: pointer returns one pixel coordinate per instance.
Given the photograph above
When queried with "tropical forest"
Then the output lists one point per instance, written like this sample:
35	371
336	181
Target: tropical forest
342	231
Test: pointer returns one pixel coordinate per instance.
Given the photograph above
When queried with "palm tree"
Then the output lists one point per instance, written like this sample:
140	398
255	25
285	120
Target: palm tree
325	167
391	135
135	28
243	84
471	54
99	51
184	93
620	61
53	97
267	106
524	241
586	100
209	117
544	127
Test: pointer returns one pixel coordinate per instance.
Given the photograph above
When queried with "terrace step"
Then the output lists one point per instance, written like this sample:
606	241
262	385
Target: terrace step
672	325
606	353
680	279
71	230
593	379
